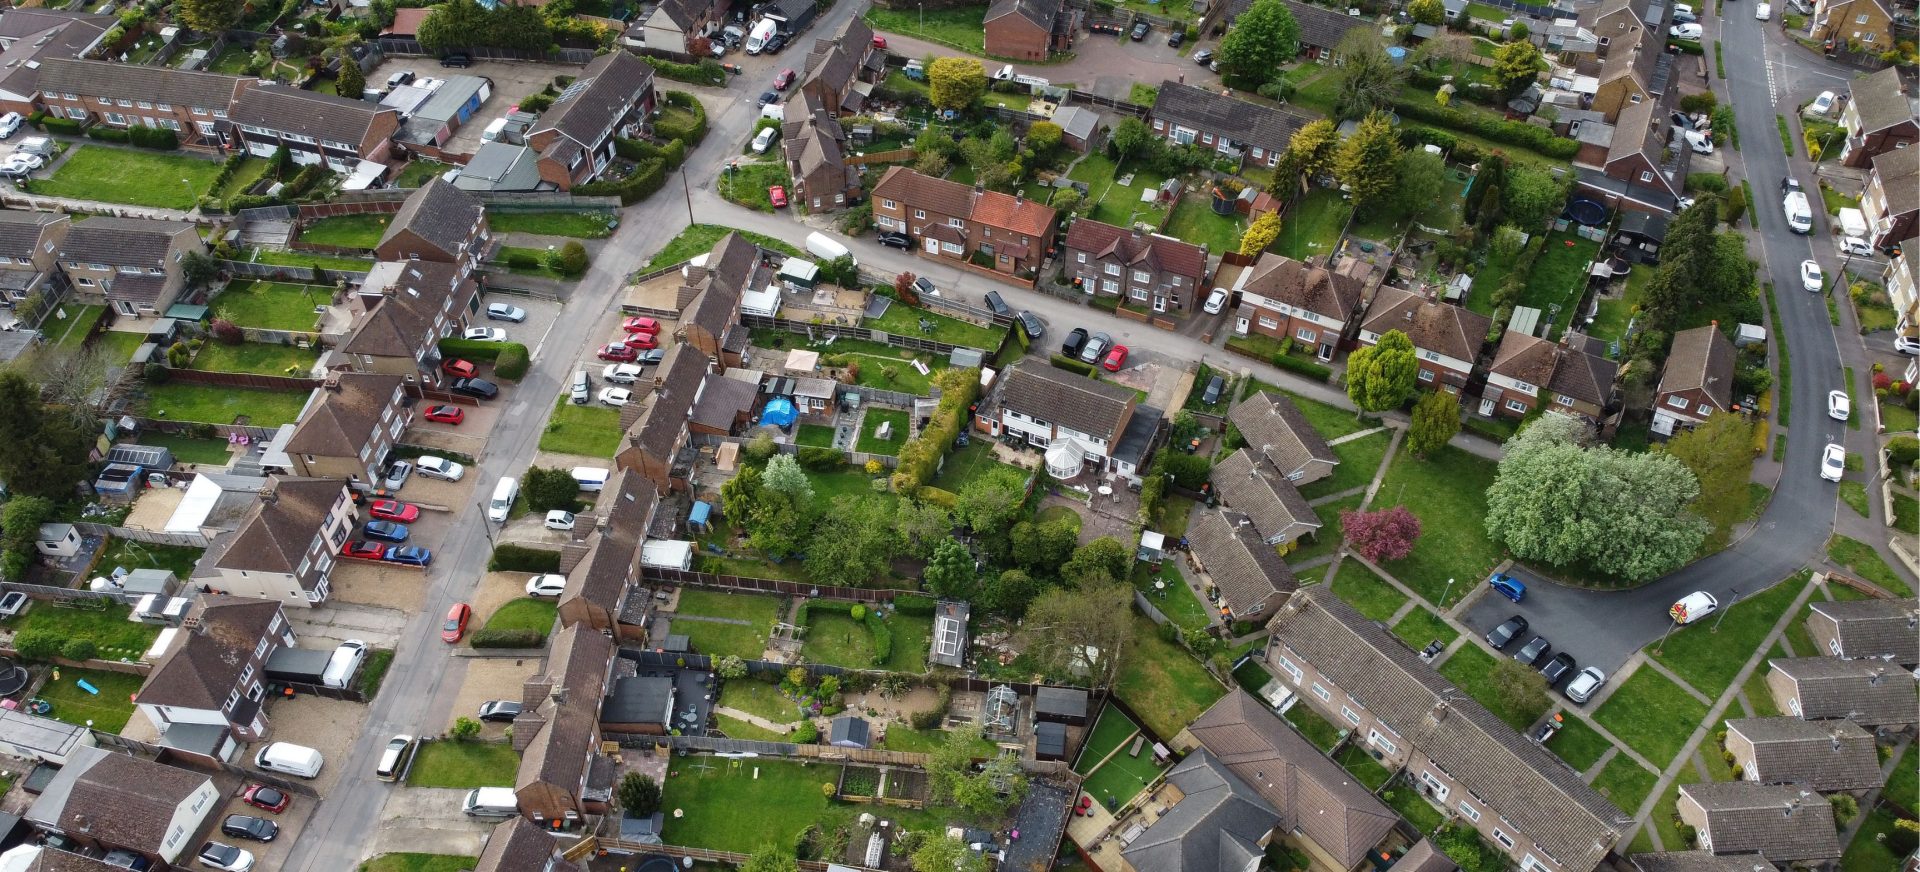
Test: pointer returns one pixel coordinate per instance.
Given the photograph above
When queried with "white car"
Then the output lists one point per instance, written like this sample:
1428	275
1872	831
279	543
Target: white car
1700	142
621	373
1763	11
764	140
440	468
10	124
615	397
559	520
1811	277
547	585
1693	607
24	162
1584	685
1685	31
1855	246
1683	7
1833	462
220	855
397	474
484	334
1839	407
1821	104
504	312
1216	301
1906	344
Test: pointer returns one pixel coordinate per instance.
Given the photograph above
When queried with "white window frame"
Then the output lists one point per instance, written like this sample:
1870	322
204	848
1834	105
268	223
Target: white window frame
1321	692
1516	406
1468	811
1290	668
1505	840
1350	715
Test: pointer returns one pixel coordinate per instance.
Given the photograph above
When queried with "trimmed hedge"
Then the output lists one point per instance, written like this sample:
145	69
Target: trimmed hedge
941	497
920	456
475	349
515	638
1302	367
1528	136
917	604
649	176
512	361
1071	365
508	557
56	124
706	72
690	134
882	639
405	451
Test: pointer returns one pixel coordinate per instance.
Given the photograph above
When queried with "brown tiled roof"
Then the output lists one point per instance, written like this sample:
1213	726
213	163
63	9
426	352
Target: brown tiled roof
339	423
1863	691
1563	369
1702	861
604	90
1095	408
1312	793
1251	484
397	324
578	661
204	666
21	232
1149	251
1013	213
1249	573
141	288
1320	26
19	23
1827	755
1899	173
915	191
558	755
1525	358
723	400
1216	825
274	535
308	113
1207	110
610	562
1873	628
39	37
125	800
1701	358
678	379
731	263
406	22
439	213
138	82
1543	797
1424	857
1780	821
519	845
1447	329
55	860
141	242
1882	100
1274	426
1316	289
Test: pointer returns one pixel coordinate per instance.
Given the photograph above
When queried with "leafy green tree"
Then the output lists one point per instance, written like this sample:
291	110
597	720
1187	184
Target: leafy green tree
209	16
1042	548
1419	179
784	511
1436	417
1516	65
1719	453
351	83
1130	138
944	853
956	83
1081	632
48	453
571	259
1262	38
1104	558
784	476
1309	153
951	762
993	791
919	526
1532	197
1383	375
1520	689
549	488
1008	593
856	546
950	572
1260	234
37	644
1427	12
1044	136
1368	162
1478	209
1368	79
739	495
990	504
639	795
771	858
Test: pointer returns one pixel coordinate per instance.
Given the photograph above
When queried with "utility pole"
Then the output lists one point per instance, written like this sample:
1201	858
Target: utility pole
1734	592
486	526
684	188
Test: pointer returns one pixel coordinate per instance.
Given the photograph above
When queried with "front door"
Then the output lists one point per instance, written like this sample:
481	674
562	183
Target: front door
933	245
1240	326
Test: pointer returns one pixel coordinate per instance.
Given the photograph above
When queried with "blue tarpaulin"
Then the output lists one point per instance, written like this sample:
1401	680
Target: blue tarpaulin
779	413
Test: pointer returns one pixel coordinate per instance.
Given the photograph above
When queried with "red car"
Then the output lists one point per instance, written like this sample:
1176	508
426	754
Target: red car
780	82
365	550
619	351
266	798
642	341
446	414
640	325
1115	359
394	510
459	368
456	626
778	195
879	42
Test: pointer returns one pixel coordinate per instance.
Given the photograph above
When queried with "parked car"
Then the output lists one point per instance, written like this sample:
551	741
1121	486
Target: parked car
10	124
25	162
640	324
1839	407
1585	685
621	373
1761	12
455	627
396	476
1116	358
1096	346
1855	246
499	710
444	414
384	531
364	550
220	855
404	77
768	97
785	78
410	555
1503	635
1699	141
484	334
1140	30
1559	667
615	397
924	287
1215	386
547	584
561	520
777	195
1811	278
581	388
459	368
478	388
1822	104
1685	31
1216	300
394	510
504	312
651	356
457	60
126	860
1530	653
1203	56
617	351
1030	324
1693	607
1507	586
267	798
1906	344
1833	462
440	468
879	42
764	139
1076	340
246	826
894	239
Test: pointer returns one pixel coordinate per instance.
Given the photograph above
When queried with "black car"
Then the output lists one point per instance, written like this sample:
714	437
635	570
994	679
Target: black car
503	710
459	61
1075	341
651	357
1530	653
1032	326
778	42
246	826
996	304
1215	386
1559	667
1140	30
893	239
1178	37
768	97
1503	635
475	387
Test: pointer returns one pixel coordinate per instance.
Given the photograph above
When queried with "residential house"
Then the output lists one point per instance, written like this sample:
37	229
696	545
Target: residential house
1271	424
577	675
1516	794
575	136
1288	299
1701	861
1902	280
1321	29
1852	25
1243	131
313	127
1219	822
1867	692
1145	270
1825	756
205	694
1697	380
1879	117
654	441
1892	200
552	782
1572	376
1630	65
439	223
1075	418
815	145
710	322
28	260
349	426
949	643
107	800
516	845
44	858
192	105
1644	168
285	546
1877	629
1256	487
1028	30
131	264
1784	822
603	594
953	222
1246	570
1446	338
840	69
675	24
402	311
31	37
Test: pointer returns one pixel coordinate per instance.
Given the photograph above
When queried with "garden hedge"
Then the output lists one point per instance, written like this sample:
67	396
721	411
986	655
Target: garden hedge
1071	365
882	639
405	451
1528	136
690	133
920	456
474	349
916	604
508	557
706	72
56	124
1303	367
649	176
511	364
515	638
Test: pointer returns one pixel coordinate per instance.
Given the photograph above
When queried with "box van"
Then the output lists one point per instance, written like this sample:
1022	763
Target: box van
289	758
491	802
590	478
36	145
344	662
763	30
502	502
826	247
394	759
494	128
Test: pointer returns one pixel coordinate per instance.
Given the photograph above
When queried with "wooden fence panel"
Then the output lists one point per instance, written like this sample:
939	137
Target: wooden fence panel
242	380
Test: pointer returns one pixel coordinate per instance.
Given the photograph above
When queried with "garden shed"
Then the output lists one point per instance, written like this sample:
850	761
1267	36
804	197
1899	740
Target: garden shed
1064	705
850	732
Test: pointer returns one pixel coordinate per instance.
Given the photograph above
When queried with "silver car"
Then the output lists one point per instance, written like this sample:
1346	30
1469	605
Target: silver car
1585	685
1095	347
504	312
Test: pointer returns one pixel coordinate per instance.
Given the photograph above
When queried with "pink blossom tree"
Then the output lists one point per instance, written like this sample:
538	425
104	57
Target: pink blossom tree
1381	536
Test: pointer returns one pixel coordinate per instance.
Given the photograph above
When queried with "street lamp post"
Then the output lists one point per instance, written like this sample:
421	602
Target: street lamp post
486	527
190	197
1734	592
1443	594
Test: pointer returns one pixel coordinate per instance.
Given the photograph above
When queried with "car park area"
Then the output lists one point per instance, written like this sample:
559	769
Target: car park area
512	83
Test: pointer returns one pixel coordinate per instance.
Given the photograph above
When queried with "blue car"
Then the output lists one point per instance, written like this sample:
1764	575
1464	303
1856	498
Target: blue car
385	531
1508	586
411	555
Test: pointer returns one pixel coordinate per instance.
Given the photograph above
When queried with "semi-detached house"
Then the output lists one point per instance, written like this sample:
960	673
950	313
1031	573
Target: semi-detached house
440	223
1572	376
1875	629
575	136
29	242
206	693
285	546
1145	270
1446	338
1243	131
1891	203
1076	419
1288	299
953	222
313	127
349	426
131	264
1879	117
402	311
109	800
193	105
31	37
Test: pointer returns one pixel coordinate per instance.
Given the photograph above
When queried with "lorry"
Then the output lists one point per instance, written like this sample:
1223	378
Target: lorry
1794	205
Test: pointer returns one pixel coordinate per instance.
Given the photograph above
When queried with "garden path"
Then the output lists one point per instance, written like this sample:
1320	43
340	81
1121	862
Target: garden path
755	720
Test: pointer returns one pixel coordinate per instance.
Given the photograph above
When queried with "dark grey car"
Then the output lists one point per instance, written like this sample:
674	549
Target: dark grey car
1031	324
1503	635
499	710
1559	667
246	826
1530	653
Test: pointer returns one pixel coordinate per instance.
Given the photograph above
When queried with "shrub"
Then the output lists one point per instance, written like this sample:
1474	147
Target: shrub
107	134
157	138
548	488
463	729
1703	102
914	604
805	734
473	349
512	362
1735	206
821	459
536	102
927	720
690	132
645	179
515	638
882	639
226	332
1539	139
36	644
1303	367
508	557
1903	450
157	373
56	124
941	497
570	259
1712	183
1071	365
706	72
79	649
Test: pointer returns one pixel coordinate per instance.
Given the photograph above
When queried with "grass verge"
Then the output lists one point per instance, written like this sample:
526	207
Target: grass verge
1652	714
452	763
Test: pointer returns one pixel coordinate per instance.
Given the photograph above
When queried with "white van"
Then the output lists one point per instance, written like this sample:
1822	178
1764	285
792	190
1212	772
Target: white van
826	247
1798	211
344	662
763	30
591	478
502	502
289	758
494	128
491	802
393	760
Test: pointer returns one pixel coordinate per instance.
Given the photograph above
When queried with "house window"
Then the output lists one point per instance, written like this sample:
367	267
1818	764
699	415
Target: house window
1677	402
76	113
950	248
1349	714
1646	176
1634	99
1505	840
1833	645
1138	293
986	232
233	699
919	213
164	107
1793	706
116	118
1269	323
260	650
1563	400
1435	786
1867	36
145	105
246	674
1321	692
1516	406
1080	257
1306	334
1113	269
1860	19
1109	286
1380	741
1142	276
1704	409
124	104
1426	375
1469	812
1289	668
889	204
956	223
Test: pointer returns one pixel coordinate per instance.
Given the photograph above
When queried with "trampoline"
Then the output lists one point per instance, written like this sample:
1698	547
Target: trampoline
13	677
655	863
1587	212
779	413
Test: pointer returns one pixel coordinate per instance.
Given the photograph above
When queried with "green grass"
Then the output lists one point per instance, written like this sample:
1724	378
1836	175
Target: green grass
108	711
415	862
108	628
1559	277
723	639
1625	783
1906	513
967	464
1448	491
258	358
1414	807
1327	540
211	404
74	329
524	613
1194	221
1862	560
1471	668
1318	730
870	441
579	225
1359	461
960	28
1796	635
905	321
814	436
1899	418
1363	767
746	184
310	260
701	238
1163	682
903	738
133	176
1579	744
451	763
1110	729
1868	852
592	430
1710	660
1652	715
347	231
249	171
1854	494
1755	689
179	559
1177	601
118	345
187	449
271	305
759	698
419	172
373	672
1122	777
1313	226
1610	323
1330	421
874	369
1664	816
1853	421
1903	786
739	729
1786	135
738	805
1421	626
537	256
1113	202
834	638
1366	592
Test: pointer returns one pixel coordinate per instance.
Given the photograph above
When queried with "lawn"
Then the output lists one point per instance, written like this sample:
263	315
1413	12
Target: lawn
870	441
1652	714
524	613
415	862
1869	852
452	763
579	225
1610	323
739	729
78	324
348	231
1860	557
834	638
249	171
1318	730
1756	691
133	176
1898	418
748	641
1175	600
188	449
746	183
1448	491
1330	421
1421	626
1419	812
1313	225
1579	744
259	358
106	711
591	430
905	320
1364	768
1709	660
374	671
1903	786
1559	277
1123	777
1162	682
892	371
271	305
1664	815
958	28
179	559
903	738
1471	668
309	260
738	805
965	465
1110	729
701	238
1366	592
1625	783
108	628
1359	461
759	698
1194	221
814	436
1115	203
1327	539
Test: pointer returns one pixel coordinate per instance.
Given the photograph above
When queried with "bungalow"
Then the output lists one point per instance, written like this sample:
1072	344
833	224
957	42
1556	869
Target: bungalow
953	222
1270	420
1867	692
1878	629
440	223
1701	861
1288	299
28	263
285	546
402	311
1574	372
1892	200
1029	30
1256	488
1784	822
1243	131
1075	418
575	136
1446	338
313	127
131	264
1879	118
1234	560
205	694
1824	756
107	801
349	426
1142	269
1696	382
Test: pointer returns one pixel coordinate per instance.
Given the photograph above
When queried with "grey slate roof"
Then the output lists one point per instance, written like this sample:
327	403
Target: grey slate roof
1899	173
1876	628
399	322
1424	857
1039	12
1270	422
1701	861
1096	408
849	730
137	82
20	232
439	213
1255	486
55	860
1780	821
519	845
1830	755
1882	100
680	375
1215	827
309	113
1863	691
117	798
1249	573
1238	120
604	90
1066	702
1320	26
141	242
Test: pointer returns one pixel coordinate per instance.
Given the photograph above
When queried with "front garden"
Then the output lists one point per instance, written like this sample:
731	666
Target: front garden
453	763
591	430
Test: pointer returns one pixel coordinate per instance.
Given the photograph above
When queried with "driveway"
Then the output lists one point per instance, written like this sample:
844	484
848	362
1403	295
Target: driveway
328	625
332	727
428	820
